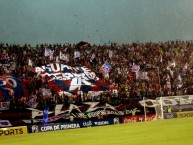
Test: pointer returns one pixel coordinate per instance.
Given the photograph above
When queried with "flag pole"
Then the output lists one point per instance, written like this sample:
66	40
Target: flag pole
161	99
144	108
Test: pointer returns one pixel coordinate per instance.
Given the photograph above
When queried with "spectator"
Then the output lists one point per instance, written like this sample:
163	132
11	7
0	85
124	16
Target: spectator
166	71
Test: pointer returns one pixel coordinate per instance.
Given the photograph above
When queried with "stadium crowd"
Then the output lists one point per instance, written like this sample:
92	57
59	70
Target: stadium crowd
138	69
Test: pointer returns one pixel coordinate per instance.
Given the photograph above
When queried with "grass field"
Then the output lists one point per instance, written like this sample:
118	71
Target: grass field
163	132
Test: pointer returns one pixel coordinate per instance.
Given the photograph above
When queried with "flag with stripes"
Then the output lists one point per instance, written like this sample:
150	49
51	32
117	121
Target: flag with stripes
64	78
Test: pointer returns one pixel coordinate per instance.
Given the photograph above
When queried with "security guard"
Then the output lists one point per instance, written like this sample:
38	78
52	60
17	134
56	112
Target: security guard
133	112
169	109
126	111
89	115
71	118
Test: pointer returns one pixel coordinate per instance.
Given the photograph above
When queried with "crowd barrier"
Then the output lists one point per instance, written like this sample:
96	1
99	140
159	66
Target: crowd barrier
19	130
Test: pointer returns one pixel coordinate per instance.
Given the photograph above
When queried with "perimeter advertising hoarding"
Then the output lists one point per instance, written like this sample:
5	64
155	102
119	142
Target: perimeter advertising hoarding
13	131
139	118
184	114
72	125
178	108
170	115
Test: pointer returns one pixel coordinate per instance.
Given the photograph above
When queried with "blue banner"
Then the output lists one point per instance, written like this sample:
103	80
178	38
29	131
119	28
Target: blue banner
10	86
45	116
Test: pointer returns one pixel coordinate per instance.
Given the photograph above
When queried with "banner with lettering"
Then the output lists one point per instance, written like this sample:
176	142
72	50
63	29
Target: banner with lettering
11	131
73	125
10	85
139	118
64	78
168	101
96	109
184	114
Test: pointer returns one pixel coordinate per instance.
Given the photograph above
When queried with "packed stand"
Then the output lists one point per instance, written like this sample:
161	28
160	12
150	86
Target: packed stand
163	69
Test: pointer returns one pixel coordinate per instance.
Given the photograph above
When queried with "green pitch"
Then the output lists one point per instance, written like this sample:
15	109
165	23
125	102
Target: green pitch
163	132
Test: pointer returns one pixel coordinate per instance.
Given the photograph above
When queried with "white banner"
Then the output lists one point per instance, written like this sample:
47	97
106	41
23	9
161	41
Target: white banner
149	103
5	123
168	101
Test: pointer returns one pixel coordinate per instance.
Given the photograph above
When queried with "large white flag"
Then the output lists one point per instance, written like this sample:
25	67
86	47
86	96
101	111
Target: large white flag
51	55
30	63
110	53
63	56
47	52
76	54
170	65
